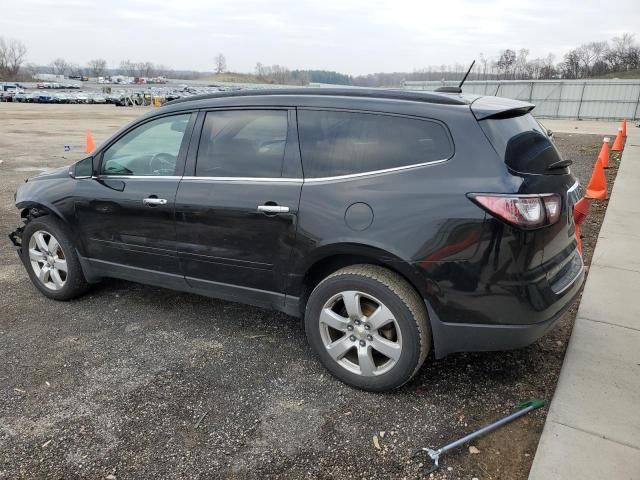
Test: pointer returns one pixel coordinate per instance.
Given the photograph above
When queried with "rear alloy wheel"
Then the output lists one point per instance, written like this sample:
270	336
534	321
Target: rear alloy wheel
369	327
360	333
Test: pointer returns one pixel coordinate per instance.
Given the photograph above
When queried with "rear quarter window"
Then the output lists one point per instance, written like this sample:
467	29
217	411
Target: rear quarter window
337	143
523	144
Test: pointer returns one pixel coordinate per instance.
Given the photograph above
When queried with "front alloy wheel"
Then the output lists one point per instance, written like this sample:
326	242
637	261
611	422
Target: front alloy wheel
48	260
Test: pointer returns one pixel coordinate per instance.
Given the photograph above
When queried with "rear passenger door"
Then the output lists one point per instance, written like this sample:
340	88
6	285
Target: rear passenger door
237	204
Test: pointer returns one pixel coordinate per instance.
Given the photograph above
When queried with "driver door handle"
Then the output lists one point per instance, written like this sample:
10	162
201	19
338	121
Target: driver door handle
152	202
273	209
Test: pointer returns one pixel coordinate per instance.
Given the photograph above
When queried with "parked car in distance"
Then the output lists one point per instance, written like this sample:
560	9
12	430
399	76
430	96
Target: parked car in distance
394	223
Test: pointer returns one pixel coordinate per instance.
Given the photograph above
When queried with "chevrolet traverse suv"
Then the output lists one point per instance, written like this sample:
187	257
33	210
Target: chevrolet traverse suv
394	223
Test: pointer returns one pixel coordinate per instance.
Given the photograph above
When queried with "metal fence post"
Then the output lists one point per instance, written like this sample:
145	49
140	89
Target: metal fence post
584	85
531	92
559	101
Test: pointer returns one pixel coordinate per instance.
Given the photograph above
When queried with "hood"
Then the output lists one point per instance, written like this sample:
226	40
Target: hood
61	172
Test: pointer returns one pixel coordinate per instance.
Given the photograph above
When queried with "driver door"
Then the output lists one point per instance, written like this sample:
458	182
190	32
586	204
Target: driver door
126	213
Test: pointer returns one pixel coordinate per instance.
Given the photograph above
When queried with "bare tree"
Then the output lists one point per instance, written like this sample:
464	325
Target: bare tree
483	62
129	68
98	67
506	61
220	63
60	66
261	70
12	53
146	69
590	53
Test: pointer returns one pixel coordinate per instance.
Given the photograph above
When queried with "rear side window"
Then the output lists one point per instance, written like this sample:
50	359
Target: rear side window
342	143
242	143
523	144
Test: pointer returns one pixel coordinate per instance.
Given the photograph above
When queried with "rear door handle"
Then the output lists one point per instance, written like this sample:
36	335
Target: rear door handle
273	209
152	202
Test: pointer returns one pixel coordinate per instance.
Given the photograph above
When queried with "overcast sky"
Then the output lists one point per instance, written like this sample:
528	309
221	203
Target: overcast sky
350	36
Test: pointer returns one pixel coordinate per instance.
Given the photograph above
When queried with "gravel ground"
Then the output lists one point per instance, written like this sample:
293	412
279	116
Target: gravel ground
132	381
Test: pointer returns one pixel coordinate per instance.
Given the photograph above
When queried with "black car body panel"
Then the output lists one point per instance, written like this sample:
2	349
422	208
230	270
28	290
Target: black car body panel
487	284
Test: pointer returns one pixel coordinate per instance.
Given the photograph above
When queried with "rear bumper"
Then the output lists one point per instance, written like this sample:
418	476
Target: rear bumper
473	337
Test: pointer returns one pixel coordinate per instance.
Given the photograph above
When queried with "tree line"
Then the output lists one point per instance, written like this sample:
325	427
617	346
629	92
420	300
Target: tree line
592	59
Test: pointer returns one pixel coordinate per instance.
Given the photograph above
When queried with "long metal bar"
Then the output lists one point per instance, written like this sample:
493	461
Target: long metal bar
434	454
486	429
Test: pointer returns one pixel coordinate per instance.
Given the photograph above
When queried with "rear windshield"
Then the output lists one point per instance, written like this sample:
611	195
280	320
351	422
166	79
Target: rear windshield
523	144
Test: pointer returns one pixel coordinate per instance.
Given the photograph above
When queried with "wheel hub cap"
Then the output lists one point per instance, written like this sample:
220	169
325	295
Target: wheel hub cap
47	260
360	333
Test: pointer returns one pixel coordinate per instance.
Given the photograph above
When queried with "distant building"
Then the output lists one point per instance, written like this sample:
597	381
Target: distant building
48	77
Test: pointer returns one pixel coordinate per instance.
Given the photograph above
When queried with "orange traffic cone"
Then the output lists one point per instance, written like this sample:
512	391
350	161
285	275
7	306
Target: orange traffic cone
597	187
90	146
604	153
624	128
578	239
580	212
618	143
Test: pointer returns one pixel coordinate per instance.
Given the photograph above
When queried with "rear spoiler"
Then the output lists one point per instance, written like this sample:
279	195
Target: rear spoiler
498	107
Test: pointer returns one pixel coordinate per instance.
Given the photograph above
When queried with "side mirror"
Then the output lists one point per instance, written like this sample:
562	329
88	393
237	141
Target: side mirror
82	169
550	133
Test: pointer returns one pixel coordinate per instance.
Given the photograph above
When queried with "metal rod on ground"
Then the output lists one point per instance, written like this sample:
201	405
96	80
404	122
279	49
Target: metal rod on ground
434	455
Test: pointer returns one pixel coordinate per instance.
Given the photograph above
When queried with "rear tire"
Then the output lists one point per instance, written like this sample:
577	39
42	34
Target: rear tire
369	327
51	260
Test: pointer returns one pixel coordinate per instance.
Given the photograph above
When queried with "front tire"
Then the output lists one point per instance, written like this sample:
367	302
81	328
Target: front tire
369	327
51	260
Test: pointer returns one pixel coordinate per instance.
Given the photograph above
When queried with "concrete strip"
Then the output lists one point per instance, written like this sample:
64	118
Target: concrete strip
606	288
608	405
619	251
574	126
593	426
572	454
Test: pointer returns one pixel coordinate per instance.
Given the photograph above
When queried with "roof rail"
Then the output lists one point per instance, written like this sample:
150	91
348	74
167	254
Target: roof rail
394	94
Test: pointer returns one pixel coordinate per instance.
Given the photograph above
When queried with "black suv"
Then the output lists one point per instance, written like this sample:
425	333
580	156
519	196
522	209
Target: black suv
393	222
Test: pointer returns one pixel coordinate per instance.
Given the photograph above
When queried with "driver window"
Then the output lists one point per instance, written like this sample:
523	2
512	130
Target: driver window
150	150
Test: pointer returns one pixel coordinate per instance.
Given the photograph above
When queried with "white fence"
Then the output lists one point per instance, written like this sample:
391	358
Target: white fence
575	99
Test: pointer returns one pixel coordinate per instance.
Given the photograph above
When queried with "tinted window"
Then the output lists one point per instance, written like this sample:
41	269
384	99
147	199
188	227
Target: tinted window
342	143
523	144
150	149
242	143
84	168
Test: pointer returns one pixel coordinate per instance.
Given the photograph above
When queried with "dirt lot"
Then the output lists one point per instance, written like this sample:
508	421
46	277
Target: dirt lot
139	382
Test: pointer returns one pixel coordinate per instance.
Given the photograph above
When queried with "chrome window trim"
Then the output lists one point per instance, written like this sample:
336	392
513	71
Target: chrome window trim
316	180
139	177
278	179
243	179
374	172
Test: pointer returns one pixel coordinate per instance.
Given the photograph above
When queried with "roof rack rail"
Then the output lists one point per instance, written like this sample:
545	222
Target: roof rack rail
395	94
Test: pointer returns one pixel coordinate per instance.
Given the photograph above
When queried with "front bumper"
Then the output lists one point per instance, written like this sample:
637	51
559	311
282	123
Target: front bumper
16	238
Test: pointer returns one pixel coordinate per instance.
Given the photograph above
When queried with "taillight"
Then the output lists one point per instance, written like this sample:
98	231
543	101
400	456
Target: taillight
523	211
